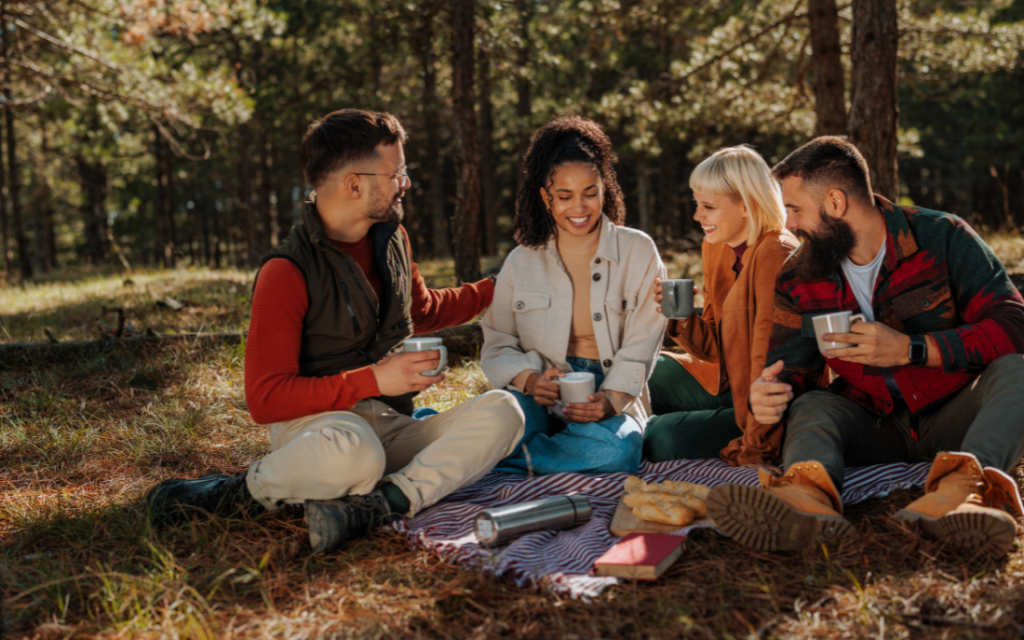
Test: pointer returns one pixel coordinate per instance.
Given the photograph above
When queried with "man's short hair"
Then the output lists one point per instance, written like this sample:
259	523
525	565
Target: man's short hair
343	137
828	162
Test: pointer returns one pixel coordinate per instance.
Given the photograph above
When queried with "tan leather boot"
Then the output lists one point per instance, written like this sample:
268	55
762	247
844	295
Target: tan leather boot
960	506
786	513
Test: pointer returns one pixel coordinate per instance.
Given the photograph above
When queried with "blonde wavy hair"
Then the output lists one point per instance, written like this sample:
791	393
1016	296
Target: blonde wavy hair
742	174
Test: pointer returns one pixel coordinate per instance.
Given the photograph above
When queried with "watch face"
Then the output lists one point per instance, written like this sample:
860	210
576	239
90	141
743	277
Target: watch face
917	352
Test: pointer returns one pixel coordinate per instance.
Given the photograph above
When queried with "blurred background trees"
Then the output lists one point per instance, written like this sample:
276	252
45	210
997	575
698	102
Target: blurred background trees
164	132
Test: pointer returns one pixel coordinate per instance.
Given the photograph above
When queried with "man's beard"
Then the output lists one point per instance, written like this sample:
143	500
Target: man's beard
385	209
826	248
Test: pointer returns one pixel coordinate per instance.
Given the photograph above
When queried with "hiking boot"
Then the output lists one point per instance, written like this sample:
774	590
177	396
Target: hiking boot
960	506
786	513
333	523
174	500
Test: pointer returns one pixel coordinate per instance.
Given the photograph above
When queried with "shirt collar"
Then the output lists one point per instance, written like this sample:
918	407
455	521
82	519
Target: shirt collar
607	247
900	240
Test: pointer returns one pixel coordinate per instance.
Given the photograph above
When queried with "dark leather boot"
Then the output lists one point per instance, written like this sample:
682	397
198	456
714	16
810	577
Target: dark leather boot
175	500
333	523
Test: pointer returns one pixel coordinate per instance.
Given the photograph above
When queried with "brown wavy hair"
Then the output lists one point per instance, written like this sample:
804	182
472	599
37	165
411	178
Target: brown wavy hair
563	140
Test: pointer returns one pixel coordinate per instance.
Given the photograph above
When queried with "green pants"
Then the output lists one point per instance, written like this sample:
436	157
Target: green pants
983	418
688	421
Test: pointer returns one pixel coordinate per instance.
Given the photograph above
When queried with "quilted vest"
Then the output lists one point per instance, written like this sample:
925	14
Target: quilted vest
347	326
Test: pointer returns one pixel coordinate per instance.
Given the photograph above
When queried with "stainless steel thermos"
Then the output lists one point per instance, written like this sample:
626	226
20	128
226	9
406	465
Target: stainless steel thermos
495	527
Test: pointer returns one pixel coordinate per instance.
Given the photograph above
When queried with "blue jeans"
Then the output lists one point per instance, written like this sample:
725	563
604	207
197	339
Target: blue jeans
612	445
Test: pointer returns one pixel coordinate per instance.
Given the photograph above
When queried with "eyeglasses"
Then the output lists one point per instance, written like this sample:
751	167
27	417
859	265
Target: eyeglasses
402	177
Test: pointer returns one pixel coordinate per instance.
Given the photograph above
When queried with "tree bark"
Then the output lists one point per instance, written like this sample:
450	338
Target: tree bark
93	176
285	206
643	184
488	172
246	211
266	171
165	232
465	225
434	156
671	222
524	105
874	115
827	67
13	175
5	232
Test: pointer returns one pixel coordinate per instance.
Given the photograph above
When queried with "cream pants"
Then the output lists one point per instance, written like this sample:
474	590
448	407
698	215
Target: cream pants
332	454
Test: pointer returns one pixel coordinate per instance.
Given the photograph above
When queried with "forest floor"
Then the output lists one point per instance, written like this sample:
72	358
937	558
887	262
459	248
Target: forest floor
83	441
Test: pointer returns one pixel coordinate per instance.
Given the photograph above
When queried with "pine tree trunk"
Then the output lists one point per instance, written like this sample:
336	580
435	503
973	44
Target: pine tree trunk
874	115
488	173
465	227
285	205
643	183
671	223
93	176
245	209
5	232
13	175
165	236
827	66
524	105
266	170
434	156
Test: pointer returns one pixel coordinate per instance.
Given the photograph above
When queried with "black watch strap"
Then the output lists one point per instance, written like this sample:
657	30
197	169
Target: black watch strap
918	350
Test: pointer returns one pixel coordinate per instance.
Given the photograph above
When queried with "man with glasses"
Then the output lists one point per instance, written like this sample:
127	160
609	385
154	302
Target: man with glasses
324	368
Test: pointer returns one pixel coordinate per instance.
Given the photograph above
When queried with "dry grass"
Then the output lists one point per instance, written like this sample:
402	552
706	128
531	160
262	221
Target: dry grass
82	442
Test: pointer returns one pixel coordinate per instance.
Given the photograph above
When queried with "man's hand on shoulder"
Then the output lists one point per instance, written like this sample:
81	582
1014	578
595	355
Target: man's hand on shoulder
400	373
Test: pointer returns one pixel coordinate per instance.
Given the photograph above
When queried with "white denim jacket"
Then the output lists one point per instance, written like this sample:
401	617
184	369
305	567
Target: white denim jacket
527	326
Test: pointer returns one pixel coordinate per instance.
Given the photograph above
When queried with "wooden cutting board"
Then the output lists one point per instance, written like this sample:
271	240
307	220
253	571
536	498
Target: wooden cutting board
625	523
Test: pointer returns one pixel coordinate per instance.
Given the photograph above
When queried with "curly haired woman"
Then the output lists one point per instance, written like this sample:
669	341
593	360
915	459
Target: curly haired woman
574	296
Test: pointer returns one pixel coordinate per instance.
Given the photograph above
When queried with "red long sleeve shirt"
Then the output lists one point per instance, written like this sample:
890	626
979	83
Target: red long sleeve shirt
273	387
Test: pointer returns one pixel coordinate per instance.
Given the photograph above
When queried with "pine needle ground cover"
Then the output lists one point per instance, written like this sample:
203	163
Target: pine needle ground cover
83	441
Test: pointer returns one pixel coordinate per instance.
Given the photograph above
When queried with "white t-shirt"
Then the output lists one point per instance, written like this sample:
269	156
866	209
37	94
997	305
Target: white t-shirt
862	281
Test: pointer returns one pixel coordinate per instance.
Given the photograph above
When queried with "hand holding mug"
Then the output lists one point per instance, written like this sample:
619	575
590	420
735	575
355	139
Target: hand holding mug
402	373
679	309
599	408
545	392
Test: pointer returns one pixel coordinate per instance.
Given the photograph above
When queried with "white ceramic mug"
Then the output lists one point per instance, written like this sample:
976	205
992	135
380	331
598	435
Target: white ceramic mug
577	386
428	344
839	322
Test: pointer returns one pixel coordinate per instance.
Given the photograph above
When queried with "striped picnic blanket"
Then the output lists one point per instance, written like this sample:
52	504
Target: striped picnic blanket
561	561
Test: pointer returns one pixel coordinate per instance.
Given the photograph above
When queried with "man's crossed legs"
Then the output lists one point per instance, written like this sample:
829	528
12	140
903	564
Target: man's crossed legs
356	470
974	439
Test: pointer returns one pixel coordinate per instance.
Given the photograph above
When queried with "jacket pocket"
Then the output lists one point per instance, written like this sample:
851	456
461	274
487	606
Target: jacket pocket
923	299
621	301
526	301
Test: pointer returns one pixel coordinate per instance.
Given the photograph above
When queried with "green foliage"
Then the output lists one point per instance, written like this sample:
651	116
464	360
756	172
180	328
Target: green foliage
231	86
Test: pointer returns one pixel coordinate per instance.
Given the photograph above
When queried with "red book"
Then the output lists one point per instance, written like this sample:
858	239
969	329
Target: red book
644	556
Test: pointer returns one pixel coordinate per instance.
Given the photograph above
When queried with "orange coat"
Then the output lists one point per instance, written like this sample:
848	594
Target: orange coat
737	322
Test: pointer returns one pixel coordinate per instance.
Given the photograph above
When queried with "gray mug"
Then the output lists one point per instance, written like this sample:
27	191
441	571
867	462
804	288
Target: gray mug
428	344
677	300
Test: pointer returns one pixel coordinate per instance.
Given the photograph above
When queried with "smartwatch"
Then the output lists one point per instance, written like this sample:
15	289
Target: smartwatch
918	351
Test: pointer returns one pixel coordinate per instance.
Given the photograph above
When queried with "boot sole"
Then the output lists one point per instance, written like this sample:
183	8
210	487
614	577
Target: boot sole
973	533
318	525
757	519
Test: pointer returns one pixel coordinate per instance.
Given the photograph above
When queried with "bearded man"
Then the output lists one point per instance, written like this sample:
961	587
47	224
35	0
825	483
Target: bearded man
331	307
935	373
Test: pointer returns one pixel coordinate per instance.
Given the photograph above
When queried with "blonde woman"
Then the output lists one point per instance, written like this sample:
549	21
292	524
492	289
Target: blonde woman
700	396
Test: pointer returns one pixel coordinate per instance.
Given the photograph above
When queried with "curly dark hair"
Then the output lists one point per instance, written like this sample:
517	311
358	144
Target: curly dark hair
565	139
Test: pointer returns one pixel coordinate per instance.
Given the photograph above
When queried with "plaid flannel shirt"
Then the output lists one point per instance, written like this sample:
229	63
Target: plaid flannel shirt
938	278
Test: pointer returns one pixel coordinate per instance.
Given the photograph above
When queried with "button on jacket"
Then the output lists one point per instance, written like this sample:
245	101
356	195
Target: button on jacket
527	326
